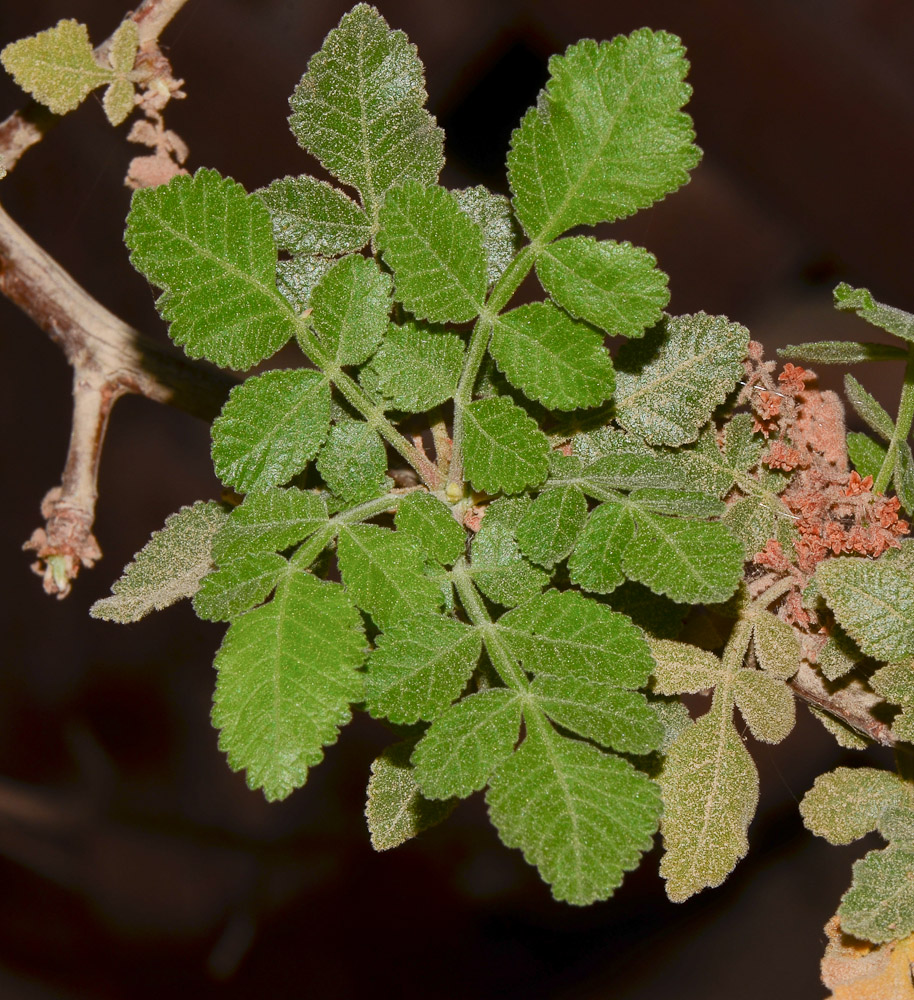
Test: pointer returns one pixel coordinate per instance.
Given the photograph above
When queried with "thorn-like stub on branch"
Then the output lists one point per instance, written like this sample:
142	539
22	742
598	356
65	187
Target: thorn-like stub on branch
63	545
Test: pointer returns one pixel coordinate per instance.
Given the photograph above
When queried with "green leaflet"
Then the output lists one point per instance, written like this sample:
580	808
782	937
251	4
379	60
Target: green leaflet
396	810
552	358
209	246
416	367
839	655
596	563
743	447
432	523
710	791
297	278
550	527
498	567
842	352
269	521
685	669
583	817
879	906
655	614
614	286
777	646
314	217
868	409
861	302
287	673
270	428
419	666
606	136
169	567
350	304
436	253
504	450
668	384
383	572
360	109
492	213
353	461
849	802
465	745
873	602
767	705
238	585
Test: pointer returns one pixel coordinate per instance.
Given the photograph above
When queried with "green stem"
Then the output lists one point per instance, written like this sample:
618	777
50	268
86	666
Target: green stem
476	611
902	426
499	297
373	414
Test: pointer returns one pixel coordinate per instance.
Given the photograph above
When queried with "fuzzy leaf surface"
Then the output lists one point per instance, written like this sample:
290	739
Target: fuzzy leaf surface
271	426
360	109
868	409
312	216
849	802
551	525
383	572
842	352
57	66
269	521
168	568
419	666
416	367
767	705
888	318
606	136
351	303
669	383
498	566
710	791
683	668
396	809
464	745
436	253
873	602
297	278
879	906
615	286
353	461
583	817
504	450
492	213
287	673
209	246
238	585
430	521
776	645
552	358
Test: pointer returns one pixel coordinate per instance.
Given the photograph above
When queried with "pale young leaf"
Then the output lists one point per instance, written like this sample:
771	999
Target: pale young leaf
350	305
839	655
668	384
360	109
504	450
498	567
314	217
606	136
168	568
710	791
857	970
845	736
463	746
353	461
396	809
895	682
416	367
238	585
766	703
879	906
124	44
269	521
888	318
684	669
849	802
492	213
432	523
383	571
776	645
582	816
615	286
287	673
551	525
271	426
552	358
118	101
209	246
436	253
57	66
419	666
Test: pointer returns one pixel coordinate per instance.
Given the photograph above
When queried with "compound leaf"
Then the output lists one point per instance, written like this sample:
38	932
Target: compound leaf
849	802
238	585
209	246
583	817
360	109
350	304
879	906
269	521
888	318
615	286
383	570
550	527
504	450
353	461
435	251
552	358
396	809
287	673
270	428
465	744
431	522
606	136
492	213
169	567
668	384
710	791
498	567
419	666
57	67
416	367
314	217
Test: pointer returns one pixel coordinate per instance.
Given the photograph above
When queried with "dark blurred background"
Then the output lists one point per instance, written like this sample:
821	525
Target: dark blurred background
132	862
